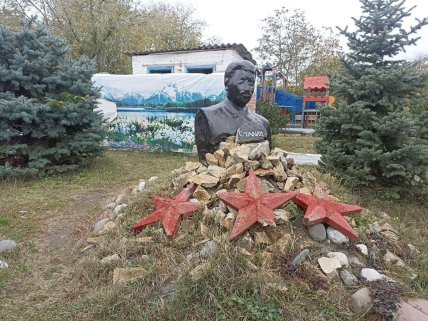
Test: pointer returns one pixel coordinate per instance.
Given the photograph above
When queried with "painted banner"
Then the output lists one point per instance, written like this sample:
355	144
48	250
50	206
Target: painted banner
156	112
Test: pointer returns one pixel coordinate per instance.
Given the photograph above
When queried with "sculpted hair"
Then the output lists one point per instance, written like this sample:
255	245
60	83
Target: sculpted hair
239	65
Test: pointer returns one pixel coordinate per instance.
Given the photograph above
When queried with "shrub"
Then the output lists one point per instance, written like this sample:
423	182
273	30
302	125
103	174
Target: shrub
370	137
272	113
47	118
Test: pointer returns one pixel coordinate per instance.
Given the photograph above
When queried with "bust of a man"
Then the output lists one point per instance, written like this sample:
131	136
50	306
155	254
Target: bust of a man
231	117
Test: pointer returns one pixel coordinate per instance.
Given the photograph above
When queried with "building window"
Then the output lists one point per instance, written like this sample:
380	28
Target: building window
200	69
160	70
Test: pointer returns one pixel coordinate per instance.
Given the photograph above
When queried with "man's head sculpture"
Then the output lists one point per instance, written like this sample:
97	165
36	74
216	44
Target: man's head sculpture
239	81
231	117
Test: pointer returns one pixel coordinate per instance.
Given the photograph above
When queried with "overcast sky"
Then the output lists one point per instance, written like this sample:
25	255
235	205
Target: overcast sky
240	20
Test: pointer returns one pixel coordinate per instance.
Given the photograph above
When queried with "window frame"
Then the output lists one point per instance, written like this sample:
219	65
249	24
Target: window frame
156	69
190	67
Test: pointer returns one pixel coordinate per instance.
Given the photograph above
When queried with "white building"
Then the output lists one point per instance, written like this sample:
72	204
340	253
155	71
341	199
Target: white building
205	59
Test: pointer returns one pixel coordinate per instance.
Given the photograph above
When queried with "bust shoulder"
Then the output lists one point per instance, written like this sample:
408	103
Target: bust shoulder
212	109
262	119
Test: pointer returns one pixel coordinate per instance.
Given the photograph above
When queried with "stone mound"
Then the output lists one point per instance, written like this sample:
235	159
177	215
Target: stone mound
319	255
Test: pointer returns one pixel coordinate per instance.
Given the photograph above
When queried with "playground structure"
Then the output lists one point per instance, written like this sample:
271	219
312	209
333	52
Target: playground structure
316	91
304	109
268	83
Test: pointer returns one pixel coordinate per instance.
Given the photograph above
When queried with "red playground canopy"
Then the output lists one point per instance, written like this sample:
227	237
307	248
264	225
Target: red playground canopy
319	83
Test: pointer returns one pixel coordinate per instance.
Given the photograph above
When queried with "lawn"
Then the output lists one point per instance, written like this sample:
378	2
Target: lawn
296	143
51	278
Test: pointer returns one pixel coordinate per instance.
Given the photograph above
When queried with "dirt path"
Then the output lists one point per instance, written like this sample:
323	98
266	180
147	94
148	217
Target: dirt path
52	257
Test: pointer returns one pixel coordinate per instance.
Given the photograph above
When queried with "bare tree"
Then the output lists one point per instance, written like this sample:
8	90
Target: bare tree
105	29
294	46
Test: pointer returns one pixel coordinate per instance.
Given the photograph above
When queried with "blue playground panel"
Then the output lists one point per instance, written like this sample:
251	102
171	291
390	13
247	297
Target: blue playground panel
292	103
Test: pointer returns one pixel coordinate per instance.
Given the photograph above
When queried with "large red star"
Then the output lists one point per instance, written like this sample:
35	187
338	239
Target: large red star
254	205
321	210
169	211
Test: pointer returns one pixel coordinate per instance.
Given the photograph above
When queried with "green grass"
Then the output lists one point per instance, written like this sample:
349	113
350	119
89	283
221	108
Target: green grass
44	283
295	143
26	204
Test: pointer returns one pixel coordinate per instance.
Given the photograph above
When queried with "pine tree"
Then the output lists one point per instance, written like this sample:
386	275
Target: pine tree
371	137
47	118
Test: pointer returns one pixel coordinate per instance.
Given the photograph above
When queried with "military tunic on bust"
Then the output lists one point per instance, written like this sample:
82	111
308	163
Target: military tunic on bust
215	123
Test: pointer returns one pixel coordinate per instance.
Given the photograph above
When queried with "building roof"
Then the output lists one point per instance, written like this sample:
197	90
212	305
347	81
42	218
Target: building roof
239	48
319	83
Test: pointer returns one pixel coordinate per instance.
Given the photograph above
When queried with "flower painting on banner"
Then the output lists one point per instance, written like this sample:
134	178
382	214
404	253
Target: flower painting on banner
157	112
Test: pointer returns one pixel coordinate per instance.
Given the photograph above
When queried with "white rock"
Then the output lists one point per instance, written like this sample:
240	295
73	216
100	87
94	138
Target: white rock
3	265
109	259
109	226
348	278
228	221
391	258
374	227
341	257
336	237
413	249
290	183
278	152
118	209
317	232
363	249
99	226
261	149
329	265
204	180
372	275
110	206
141	185
7	245
194	201
281	216
261	238
298	260
121	276
219	215
123	195
361	300
152	179
209	249
216	171
240	153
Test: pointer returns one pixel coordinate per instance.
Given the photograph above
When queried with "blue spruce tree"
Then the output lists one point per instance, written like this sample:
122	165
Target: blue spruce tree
47	118
371	137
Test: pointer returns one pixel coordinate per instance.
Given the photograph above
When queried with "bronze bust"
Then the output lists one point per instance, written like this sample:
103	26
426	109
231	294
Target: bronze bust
231	117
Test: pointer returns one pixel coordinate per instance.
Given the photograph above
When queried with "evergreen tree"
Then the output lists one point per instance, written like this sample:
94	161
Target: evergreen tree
371	136
47	118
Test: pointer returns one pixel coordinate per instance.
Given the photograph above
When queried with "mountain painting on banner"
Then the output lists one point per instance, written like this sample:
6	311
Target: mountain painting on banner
161	90
156	111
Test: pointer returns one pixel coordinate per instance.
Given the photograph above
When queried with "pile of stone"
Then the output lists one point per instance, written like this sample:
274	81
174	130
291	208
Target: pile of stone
337	260
228	167
114	211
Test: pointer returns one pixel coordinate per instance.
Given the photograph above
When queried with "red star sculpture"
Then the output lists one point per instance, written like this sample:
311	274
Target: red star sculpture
321	210
254	205
169	211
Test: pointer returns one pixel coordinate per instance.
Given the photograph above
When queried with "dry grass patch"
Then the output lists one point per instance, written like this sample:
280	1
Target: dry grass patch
295	143
76	286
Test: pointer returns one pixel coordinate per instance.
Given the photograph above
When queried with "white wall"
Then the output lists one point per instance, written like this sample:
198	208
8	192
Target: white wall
180	60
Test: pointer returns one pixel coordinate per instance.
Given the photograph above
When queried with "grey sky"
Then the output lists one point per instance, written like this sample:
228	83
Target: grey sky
240	20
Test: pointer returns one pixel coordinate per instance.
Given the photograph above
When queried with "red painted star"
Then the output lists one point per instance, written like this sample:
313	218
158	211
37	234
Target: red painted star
254	205
321	210
170	211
